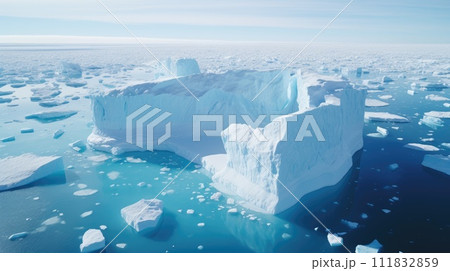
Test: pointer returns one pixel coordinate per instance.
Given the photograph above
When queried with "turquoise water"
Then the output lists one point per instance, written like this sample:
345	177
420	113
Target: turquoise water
418	220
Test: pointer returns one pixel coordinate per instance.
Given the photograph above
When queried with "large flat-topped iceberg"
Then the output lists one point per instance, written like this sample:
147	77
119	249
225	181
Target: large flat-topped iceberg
21	170
311	125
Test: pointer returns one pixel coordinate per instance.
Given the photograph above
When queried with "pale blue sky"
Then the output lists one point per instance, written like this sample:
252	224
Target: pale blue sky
382	21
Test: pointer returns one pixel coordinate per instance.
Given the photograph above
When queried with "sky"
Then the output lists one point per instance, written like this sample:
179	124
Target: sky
364	21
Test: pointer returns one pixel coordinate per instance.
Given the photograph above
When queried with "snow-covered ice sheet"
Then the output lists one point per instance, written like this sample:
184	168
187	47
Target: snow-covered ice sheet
21	170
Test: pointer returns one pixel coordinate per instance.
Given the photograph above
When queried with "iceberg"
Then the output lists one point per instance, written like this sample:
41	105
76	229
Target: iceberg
437	162
186	67
93	240
144	215
21	170
326	111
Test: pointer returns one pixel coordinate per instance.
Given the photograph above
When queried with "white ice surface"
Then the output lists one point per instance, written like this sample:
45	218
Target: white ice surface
143	215
21	170
93	240
384	116
437	162
240	168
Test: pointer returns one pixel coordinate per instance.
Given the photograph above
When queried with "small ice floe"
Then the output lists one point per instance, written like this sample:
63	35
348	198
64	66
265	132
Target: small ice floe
17	236
386	79
200	247
51	116
76	83
78	146
21	170
164	169
376	135
201	224
86	214
438	114
447	104
364	216
431	122
113	175
144	215
385	97
81	186
121	245
141	184
384	116
103	227
286	236
439	163
230	201
135	160
393	166
446	145
428	139
216	196
421	147
335	241
58	133
85	192
93	240
433	97
410	92
233	211
350	224
52	103
384	132
8	139
26	130
375	103
98	158
52	221
386	211
373	247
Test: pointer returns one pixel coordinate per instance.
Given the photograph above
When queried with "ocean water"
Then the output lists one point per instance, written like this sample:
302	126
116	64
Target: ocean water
414	199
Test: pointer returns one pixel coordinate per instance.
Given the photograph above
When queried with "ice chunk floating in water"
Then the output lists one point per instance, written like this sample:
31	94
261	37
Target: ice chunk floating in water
143	215
373	247
437	162
20	170
93	240
330	131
